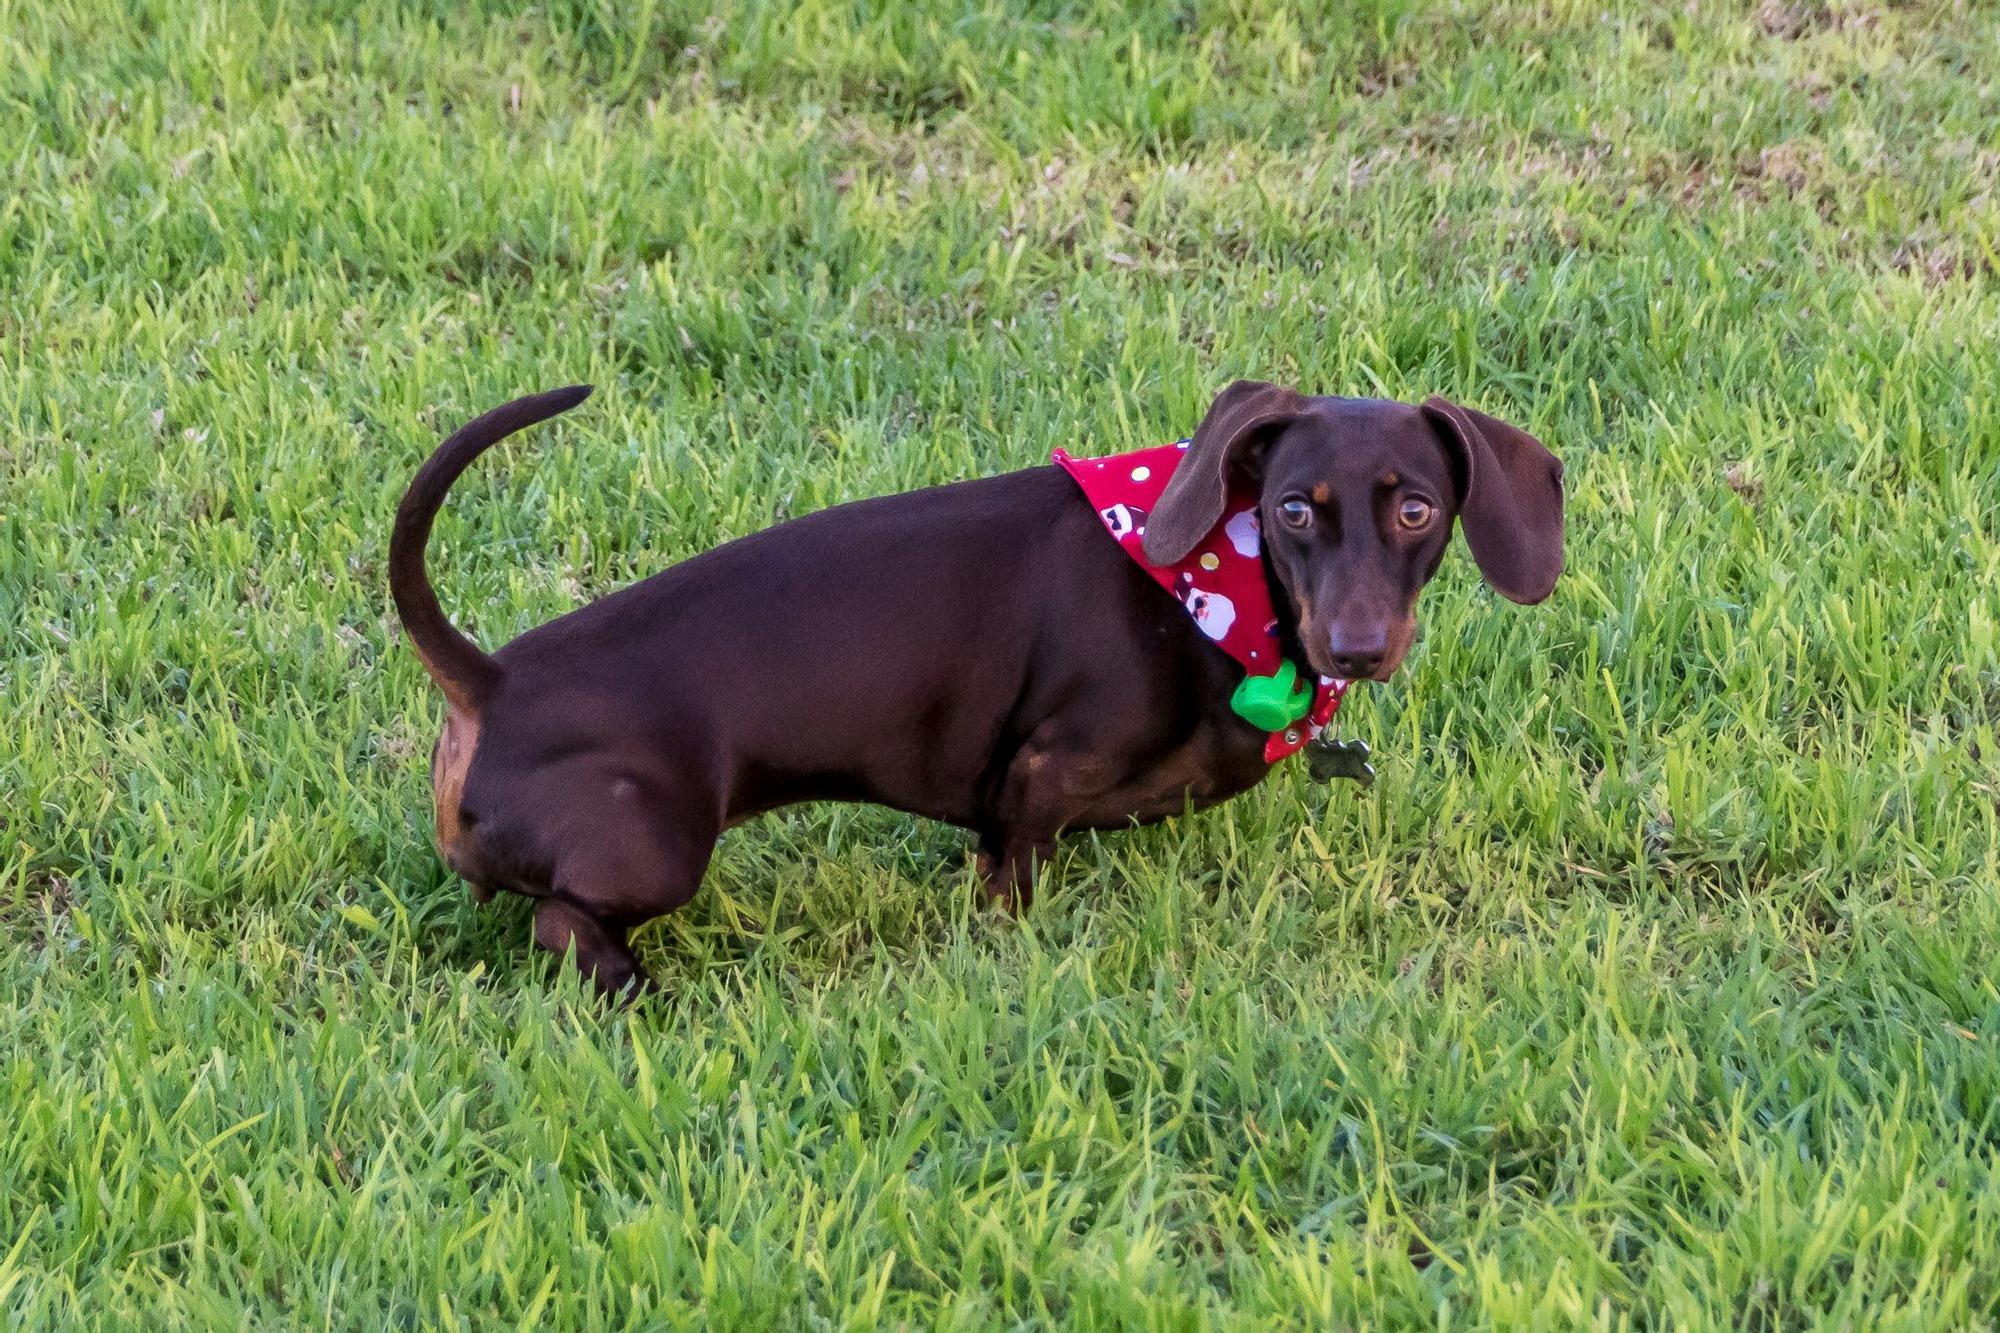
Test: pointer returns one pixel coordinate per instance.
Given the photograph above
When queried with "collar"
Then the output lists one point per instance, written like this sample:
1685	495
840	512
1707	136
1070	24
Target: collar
1221	583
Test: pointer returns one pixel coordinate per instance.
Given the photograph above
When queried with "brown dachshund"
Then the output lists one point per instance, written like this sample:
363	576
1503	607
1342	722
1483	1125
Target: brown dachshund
983	653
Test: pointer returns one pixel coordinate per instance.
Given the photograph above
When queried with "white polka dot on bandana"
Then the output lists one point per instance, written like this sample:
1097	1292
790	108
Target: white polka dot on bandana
1208	561
1141	473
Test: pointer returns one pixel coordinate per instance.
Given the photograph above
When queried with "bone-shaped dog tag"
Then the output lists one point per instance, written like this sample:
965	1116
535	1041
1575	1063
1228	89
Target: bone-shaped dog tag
1327	759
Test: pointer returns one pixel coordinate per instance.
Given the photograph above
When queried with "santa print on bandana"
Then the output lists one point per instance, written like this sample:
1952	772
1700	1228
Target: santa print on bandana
1221	583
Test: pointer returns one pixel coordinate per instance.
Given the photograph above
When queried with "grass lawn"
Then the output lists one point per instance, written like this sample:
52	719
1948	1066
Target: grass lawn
1654	984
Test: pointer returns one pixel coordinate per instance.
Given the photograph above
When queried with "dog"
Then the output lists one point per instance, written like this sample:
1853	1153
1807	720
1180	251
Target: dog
996	654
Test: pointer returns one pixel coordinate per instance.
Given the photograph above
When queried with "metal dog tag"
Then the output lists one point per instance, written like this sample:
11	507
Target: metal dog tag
1327	759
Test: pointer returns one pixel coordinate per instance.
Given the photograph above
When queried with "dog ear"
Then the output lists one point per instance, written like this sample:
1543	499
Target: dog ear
1236	425
1510	500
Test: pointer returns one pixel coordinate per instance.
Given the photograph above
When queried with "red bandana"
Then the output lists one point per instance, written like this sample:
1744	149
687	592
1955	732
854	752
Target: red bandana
1221	582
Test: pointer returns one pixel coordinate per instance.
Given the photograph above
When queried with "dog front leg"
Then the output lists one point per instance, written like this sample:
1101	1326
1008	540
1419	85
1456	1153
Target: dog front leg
1008	866
1047	786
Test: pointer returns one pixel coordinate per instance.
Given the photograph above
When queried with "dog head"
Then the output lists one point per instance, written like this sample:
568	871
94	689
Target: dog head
1357	499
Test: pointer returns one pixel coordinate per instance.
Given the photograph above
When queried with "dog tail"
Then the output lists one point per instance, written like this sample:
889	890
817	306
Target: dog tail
464	671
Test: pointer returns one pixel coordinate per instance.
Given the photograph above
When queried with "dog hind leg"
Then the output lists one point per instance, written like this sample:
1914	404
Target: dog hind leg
636	866
601	952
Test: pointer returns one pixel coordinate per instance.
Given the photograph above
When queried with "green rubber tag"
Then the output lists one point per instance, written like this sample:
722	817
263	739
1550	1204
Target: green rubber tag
1273	702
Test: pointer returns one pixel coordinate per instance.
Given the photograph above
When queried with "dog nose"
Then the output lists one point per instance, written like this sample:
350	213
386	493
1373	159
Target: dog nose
1358	652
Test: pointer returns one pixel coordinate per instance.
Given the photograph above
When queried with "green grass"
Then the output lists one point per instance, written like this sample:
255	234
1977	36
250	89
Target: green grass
1653	985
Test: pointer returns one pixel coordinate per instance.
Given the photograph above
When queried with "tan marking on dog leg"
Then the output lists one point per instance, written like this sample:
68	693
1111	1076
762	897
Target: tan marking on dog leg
449	763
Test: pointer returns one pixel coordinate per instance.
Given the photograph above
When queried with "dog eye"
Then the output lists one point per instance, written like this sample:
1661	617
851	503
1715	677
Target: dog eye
1296	512
1414	513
